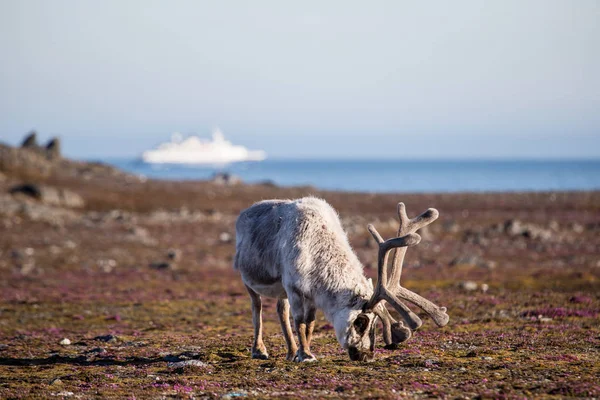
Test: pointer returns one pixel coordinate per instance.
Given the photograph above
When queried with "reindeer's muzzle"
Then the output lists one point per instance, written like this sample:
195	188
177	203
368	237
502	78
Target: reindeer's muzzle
357	355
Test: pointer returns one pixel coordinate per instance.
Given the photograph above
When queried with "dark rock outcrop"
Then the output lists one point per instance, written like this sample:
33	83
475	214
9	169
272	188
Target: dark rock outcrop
24	162
30	141
49	195
53	149
34	162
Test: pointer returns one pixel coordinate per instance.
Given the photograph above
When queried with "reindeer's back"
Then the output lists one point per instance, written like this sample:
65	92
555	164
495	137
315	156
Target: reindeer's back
304	235
256	231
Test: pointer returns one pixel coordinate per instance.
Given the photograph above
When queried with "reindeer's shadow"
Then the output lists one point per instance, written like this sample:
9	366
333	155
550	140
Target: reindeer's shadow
86	361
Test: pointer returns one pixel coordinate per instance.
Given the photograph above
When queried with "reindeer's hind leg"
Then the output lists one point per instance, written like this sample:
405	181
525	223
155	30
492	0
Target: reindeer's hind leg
258	347
283	311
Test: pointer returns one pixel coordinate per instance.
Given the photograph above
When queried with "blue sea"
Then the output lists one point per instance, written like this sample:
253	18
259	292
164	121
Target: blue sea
394	176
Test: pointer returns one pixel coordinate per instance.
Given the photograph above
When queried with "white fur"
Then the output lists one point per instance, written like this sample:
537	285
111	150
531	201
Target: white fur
299	250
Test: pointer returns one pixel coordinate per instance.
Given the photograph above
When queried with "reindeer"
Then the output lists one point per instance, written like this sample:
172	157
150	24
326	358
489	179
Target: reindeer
297	251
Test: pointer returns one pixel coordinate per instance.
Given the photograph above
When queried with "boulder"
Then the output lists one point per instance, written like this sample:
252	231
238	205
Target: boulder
49	195
515	228
71	199
28	189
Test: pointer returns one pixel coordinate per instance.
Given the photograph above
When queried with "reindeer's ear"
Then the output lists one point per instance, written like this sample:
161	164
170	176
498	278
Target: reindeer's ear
361	323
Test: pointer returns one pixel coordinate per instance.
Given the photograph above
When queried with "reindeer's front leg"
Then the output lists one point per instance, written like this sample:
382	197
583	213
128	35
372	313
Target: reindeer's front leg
304	322
310	313
258	347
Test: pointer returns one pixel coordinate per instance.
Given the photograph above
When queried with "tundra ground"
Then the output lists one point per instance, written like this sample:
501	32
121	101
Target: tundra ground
140	282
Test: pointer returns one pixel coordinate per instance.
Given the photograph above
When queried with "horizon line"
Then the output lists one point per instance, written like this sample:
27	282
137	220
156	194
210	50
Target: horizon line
381	159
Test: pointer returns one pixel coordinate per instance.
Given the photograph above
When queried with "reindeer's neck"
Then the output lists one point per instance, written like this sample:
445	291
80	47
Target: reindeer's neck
348	295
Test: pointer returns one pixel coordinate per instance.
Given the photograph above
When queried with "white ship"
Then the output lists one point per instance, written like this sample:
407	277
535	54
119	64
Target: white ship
193	150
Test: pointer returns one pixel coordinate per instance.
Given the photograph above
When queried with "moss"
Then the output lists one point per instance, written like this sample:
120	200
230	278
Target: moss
534	333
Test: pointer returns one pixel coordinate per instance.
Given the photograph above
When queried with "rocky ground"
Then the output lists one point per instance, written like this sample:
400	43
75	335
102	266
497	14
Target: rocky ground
117	286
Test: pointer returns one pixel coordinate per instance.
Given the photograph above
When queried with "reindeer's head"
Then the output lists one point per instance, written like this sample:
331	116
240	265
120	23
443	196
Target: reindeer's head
360	321
360	336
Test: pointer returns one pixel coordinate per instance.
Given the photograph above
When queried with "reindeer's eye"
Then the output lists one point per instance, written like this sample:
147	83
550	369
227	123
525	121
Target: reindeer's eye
361	323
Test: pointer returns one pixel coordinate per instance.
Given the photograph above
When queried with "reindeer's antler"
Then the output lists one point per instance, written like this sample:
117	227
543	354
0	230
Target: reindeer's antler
390	289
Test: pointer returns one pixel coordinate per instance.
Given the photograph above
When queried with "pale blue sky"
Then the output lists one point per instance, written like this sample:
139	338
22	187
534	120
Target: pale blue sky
391	79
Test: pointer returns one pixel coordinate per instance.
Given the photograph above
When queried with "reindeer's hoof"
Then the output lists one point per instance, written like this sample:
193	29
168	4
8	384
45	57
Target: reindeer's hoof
256	354
304	357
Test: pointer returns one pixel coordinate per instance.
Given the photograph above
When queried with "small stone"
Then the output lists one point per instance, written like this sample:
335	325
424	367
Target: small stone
174	254
161	265
54	250
431	362
69	244
107	338
577	228
488	264
225	237
106	265
235	394
98	350
65	342
56	381
468	286
484	287
513	227
186	363
140	234
27	267
462	369
468	259
487	358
